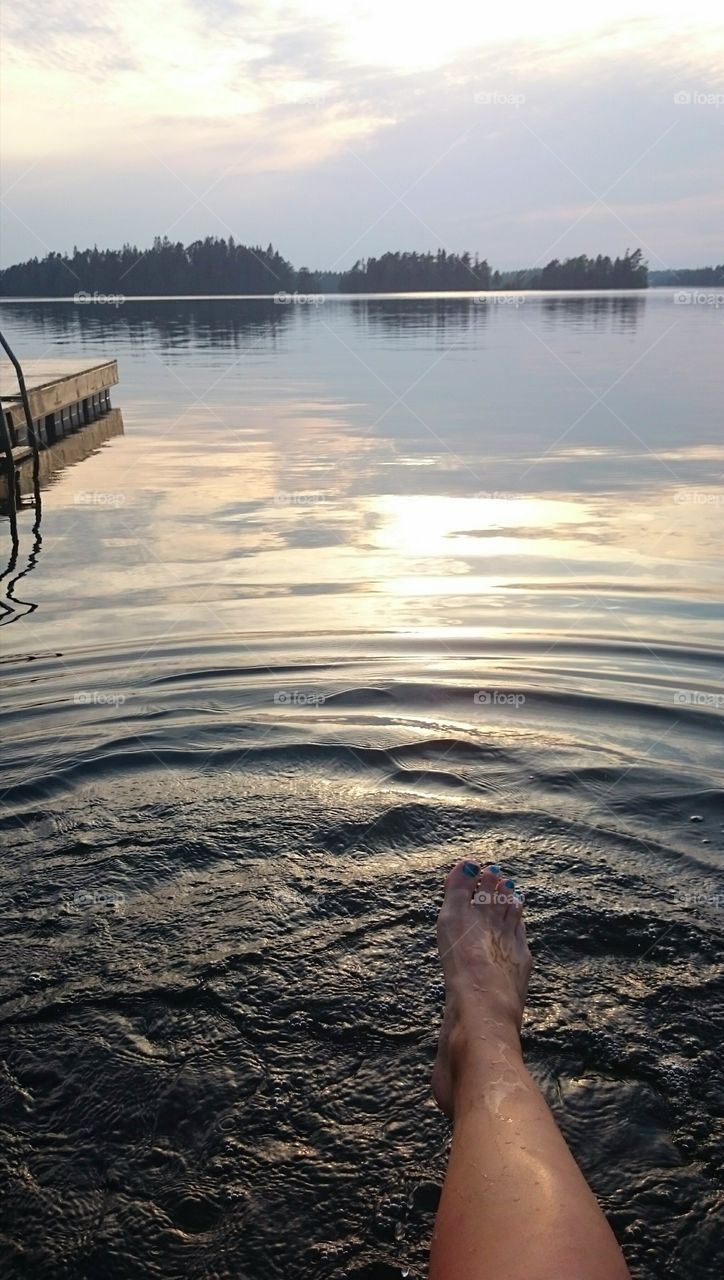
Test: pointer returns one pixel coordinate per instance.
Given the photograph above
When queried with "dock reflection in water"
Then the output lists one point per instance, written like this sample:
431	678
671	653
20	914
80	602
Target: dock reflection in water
32	476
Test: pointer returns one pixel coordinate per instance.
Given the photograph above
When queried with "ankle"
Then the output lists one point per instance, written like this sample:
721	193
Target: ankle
483	1030
482	1012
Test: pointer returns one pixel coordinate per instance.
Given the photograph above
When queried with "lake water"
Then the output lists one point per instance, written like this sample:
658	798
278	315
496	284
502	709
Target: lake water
364	587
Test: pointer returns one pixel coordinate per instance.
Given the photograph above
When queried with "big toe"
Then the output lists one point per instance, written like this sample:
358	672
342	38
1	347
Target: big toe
460	885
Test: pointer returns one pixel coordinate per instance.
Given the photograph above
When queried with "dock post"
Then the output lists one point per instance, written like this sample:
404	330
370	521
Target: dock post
32	437
10	469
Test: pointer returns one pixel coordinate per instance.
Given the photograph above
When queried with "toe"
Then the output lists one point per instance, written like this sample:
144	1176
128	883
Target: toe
510	901
497	891
487	887
513	909
460	883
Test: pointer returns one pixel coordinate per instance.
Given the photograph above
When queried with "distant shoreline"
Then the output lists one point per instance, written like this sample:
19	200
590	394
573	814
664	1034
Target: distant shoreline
462	294
215	267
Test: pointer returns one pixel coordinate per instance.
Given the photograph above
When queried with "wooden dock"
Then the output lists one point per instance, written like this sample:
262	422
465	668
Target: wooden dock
63	396
69	402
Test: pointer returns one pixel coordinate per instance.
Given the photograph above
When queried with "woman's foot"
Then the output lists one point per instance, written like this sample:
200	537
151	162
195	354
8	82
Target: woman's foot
508	1163
486	962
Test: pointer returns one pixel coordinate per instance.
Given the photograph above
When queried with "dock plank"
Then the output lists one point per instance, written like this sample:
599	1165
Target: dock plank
54	385
40	373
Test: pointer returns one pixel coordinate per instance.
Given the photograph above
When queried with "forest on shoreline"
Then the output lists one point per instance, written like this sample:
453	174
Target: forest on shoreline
217	266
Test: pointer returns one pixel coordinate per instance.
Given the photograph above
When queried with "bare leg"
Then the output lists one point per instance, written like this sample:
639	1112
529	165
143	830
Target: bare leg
515	1205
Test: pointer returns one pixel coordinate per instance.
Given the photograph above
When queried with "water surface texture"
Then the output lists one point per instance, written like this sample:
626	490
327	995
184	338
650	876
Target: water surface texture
365	587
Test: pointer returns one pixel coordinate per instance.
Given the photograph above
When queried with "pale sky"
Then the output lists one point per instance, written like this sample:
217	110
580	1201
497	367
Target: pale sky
520	130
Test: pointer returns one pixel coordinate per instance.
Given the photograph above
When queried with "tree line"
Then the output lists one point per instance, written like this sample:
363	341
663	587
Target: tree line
400	272
689	275
218	266
601	272
212	265
418	272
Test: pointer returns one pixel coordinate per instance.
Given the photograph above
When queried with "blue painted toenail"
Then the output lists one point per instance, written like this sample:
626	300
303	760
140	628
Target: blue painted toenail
510	884
470	868
495	869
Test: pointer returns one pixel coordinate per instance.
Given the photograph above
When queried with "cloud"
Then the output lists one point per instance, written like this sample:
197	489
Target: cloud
65	36
258	120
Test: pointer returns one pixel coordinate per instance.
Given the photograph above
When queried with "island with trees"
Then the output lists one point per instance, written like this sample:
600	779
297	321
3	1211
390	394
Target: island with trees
215	266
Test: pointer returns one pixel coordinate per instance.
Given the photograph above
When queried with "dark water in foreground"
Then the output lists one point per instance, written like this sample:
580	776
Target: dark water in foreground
364	588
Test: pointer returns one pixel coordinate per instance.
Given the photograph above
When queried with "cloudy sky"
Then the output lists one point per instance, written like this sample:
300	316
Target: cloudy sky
337	130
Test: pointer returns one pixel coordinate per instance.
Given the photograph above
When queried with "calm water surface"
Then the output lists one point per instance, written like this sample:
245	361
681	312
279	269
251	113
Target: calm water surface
364	587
